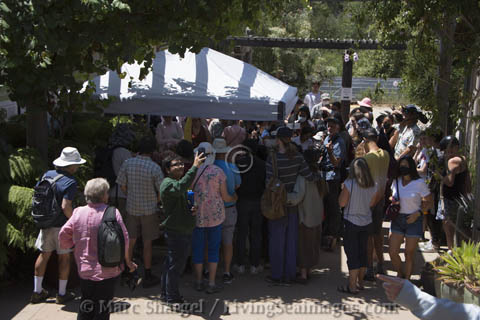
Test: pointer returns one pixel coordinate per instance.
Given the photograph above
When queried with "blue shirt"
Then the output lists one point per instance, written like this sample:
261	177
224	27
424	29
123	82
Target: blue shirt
66	188
339	151
233	178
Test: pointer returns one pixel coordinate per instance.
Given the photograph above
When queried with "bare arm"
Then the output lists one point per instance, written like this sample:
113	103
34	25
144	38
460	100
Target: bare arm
226	197
67	208
454	167
344	197
427	203
377	197
393	140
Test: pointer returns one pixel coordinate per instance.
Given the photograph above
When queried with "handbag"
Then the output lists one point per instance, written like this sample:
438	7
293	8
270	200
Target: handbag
393	209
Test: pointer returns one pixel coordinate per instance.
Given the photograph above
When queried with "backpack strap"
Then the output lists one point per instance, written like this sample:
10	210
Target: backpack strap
110	214
57	177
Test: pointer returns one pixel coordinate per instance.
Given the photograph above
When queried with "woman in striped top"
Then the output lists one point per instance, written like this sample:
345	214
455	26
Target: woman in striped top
283	232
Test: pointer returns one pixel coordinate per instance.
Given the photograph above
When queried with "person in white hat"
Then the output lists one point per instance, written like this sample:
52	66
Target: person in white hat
47	241
233	183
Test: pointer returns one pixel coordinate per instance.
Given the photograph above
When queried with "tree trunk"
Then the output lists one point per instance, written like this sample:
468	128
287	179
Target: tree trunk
446	35
37	131
476	188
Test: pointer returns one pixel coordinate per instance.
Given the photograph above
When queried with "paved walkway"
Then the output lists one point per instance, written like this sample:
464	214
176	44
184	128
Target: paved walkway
248	296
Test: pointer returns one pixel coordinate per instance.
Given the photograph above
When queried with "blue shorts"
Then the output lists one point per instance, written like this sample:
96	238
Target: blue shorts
213	237
409	230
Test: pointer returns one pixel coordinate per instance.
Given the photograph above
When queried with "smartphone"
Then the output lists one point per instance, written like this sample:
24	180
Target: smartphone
201	151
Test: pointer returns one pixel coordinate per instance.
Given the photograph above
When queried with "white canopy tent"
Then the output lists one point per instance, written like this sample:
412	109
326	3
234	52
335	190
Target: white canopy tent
209	84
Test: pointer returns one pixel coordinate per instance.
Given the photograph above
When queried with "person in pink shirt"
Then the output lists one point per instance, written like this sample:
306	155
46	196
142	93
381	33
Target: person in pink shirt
80	231
210	189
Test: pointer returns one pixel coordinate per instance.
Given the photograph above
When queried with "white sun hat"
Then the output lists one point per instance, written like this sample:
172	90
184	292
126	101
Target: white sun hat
68	157
209	152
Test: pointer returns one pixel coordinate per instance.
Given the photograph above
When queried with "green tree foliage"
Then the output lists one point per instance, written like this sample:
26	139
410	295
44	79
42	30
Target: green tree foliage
323	19
48	49
431	27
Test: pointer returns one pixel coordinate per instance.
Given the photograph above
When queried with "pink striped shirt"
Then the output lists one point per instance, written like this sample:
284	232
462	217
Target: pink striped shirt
81	231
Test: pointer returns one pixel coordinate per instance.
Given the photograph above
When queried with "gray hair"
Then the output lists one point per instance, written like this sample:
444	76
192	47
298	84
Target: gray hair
95	190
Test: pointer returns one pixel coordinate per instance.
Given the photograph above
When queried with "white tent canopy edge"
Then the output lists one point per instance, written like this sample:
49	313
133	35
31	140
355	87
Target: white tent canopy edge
205	85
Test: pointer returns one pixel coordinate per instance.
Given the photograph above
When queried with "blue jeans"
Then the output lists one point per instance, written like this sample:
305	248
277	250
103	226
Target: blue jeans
283	237
408	230
178	249
213	236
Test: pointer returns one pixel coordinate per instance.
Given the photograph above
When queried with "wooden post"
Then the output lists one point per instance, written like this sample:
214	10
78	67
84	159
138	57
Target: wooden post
346	94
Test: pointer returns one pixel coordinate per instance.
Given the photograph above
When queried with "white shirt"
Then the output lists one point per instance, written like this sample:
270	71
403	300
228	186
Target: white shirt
410	195
305	145
312	99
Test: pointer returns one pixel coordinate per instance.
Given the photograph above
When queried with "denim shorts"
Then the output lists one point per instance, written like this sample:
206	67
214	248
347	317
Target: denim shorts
409	230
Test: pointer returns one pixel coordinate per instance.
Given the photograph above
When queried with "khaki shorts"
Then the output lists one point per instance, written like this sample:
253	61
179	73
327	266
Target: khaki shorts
228	226
146	226
47	241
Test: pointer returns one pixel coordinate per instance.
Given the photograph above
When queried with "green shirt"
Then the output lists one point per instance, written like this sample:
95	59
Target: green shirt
174	199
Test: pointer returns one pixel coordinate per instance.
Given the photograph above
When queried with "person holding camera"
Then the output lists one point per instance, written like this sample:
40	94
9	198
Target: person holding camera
334	154
409	132
179	222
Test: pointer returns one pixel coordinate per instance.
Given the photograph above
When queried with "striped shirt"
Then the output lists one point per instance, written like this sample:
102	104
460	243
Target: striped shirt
142	177
289	169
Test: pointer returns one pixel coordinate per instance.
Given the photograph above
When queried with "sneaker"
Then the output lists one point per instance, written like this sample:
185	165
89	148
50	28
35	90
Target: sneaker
39	297
68	296
428	247
227	278
200	286
150	281
213	289
273	281
256	270
240	269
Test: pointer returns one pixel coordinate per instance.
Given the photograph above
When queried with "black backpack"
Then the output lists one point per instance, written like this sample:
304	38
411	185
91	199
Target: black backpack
110	240
103	165
45	205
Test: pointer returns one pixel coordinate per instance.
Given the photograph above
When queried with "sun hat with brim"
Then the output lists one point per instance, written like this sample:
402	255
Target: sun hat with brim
325	96
319	136
220	145
209	152
68	157
365	102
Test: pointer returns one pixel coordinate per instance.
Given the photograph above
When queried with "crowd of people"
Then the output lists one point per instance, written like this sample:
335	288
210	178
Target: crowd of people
199	183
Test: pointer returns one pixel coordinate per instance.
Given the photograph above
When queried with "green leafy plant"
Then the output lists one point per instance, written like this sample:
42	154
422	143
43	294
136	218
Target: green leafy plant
462	266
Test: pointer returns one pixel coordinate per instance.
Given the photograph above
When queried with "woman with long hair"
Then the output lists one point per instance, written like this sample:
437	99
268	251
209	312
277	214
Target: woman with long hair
283	232
359	194
414	197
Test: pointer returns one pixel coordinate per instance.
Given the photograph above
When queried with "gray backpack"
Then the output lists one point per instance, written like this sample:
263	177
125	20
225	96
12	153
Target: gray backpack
110	240
45	206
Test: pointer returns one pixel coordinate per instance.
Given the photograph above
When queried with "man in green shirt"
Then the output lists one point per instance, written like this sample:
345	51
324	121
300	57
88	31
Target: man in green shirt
179	223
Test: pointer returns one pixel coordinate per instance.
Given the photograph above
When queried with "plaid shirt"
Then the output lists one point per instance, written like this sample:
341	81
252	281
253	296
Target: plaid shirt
142	177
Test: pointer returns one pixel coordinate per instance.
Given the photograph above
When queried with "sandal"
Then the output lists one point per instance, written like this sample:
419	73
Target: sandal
346	289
